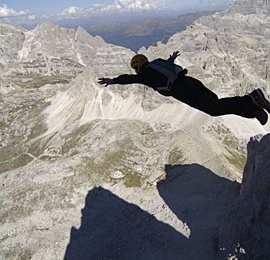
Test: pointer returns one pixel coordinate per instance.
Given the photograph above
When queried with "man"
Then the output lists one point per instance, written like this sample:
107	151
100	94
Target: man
170	80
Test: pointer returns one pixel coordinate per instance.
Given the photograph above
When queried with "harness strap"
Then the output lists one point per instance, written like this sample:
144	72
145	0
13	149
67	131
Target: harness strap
169	73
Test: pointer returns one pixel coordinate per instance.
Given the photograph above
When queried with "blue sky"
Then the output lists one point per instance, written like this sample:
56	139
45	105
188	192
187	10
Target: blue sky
57	6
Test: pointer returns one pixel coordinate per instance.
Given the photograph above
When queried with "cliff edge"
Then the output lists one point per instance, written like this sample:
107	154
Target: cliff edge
245	231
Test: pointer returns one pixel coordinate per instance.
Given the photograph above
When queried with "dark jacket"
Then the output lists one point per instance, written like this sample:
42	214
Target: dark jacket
149	77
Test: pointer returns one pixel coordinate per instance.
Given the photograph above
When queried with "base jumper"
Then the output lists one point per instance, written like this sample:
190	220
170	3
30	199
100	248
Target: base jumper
170	79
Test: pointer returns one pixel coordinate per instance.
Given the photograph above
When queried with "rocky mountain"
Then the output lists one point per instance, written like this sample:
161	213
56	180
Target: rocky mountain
232	50
11	40
248	7
148	172
245	230
131	30
55	52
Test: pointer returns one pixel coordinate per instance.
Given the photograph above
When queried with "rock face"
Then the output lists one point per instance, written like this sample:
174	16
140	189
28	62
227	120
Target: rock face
245	232
11	41
50	54
251	7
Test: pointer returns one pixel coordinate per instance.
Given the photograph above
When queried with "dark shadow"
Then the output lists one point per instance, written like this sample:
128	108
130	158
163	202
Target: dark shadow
200	198
111	229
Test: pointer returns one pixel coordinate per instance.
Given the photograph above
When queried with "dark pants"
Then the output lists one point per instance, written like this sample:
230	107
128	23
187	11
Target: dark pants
192	92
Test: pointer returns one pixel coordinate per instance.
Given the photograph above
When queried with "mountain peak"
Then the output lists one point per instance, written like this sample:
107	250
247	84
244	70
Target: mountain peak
84	37
47	25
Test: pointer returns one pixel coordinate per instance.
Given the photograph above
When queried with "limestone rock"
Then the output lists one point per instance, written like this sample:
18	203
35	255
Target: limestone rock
245	232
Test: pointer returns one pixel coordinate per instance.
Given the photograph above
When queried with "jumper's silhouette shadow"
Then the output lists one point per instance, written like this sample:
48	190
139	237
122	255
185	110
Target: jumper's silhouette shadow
112	228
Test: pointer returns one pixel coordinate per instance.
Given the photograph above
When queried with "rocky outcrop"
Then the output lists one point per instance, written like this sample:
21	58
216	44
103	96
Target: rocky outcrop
245	232
50	54
11	41
250	7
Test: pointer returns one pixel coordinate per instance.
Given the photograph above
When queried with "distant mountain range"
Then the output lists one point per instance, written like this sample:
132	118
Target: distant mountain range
132	32
135	33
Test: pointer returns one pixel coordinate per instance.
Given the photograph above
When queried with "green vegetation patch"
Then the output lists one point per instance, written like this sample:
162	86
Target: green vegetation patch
176	157
236	153
133	180
16	162
39	81
98	170
71	140
238	160
17	253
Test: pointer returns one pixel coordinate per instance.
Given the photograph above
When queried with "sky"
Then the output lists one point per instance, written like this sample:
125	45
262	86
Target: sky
53	7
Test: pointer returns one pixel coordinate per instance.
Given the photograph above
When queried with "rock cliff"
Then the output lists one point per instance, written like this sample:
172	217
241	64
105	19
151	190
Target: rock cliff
245	232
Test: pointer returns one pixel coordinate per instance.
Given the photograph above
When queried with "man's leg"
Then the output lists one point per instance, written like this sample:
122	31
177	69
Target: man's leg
192	92
241	106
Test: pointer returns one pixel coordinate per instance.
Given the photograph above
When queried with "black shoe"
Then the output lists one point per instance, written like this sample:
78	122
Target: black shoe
260	100
261	116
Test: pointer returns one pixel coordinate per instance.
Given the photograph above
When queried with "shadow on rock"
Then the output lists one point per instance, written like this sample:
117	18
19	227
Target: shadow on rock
111	229
199	198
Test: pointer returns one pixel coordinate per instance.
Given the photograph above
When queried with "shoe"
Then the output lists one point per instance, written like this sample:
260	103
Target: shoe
261	116
260	100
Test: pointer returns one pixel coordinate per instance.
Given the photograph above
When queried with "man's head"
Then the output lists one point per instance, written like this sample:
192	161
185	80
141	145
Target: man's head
138	61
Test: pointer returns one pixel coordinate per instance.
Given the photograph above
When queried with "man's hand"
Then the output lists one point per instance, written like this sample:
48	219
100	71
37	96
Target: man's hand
175	55
105	81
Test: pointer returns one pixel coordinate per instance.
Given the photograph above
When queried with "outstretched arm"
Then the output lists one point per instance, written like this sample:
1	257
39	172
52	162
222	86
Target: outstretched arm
105	81
122	79
174	56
